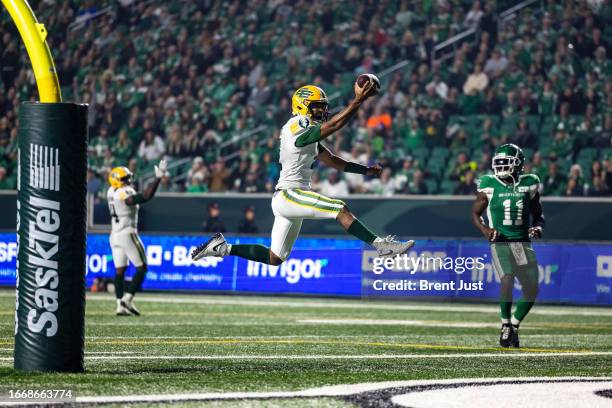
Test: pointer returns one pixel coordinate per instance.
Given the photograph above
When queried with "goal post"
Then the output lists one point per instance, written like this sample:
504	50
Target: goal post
51	215
34	36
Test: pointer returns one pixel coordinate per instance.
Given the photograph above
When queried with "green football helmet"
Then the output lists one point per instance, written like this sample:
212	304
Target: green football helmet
508	161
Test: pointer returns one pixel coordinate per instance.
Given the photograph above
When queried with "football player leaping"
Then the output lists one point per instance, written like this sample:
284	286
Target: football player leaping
293	201
511	199
123	204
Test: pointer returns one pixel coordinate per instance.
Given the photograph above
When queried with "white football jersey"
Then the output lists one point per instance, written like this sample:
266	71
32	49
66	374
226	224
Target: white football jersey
123	217
296	162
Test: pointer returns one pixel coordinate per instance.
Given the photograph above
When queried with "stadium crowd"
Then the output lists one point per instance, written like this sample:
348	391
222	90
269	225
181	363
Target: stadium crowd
210	82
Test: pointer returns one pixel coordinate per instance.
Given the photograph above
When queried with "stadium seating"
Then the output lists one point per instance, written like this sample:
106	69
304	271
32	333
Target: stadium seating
222	92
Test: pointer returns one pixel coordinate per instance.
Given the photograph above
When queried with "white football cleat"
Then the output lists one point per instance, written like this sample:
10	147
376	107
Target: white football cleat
389	246
216	246
127	303
122	311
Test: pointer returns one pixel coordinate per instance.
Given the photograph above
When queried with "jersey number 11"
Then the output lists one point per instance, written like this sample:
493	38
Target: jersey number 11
519	214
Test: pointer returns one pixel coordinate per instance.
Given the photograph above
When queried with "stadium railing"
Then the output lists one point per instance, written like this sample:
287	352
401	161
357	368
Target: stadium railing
507	16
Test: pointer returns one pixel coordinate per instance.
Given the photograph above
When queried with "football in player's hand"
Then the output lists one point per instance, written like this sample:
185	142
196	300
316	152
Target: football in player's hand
365	78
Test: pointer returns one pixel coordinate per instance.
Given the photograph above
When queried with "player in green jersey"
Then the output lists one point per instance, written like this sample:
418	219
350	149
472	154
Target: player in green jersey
511	200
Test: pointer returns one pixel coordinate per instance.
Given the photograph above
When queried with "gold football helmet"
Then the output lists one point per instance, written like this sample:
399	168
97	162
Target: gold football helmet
311	101
120	177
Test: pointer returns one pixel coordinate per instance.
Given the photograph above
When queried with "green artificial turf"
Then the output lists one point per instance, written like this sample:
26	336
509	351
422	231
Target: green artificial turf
201	343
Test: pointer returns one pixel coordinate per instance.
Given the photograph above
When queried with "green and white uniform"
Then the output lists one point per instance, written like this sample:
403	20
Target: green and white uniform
293	200
508	212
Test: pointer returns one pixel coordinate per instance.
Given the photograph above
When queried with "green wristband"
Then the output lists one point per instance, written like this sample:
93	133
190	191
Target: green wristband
355	168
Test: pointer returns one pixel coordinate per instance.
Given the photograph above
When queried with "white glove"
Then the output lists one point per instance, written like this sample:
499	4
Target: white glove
160	169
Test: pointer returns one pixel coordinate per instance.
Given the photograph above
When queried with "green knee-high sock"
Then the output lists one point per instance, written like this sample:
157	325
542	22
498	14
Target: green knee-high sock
137	279
119	282
522	308
362	232
506	309
254	252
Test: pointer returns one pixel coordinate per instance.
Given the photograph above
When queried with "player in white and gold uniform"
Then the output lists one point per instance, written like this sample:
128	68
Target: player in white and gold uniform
123	204
293	200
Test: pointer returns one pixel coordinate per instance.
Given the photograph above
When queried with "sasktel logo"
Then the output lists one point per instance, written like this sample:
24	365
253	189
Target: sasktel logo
43	239
44	167
292	270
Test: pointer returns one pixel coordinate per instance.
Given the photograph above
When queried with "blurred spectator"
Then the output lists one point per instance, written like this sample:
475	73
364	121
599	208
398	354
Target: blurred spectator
472	19
416	185
248	225
124	148
404	175
415	136
93	183
6	183
522	136
496	65
598	188
476	82
604	138
214	223
174	143
198	169
385	185
380	119
563	144
253	183
334	186
143	71
152	147
575	182
607	175
491	105
239	174
196	185
467	186
5	135
166	185
463	165
554	182
219	177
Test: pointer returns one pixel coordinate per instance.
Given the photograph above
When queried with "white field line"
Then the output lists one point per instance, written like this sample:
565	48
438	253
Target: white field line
351	304
357	304
247	357
411	337
381	322
437	323
104	353
343	322
327	391
135	322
